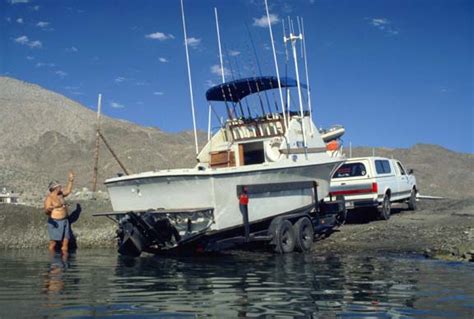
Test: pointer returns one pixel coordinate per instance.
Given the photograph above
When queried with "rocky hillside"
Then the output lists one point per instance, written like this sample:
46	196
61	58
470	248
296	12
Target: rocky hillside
44	134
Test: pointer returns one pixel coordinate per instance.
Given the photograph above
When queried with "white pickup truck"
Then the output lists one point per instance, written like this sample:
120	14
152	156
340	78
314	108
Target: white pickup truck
374	182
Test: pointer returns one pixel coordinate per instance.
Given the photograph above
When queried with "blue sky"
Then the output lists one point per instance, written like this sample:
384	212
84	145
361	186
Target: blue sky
393	72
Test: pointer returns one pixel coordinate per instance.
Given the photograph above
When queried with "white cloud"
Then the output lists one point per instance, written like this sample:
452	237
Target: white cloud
384	25
158	93
116	105
19	20
60	73
42	64
216	69
30	58
35	8
72	49
210	83
24	40
263	20
42	24
159	36
8	19
379	22
163	60
119	79
193	42
18	1
234	53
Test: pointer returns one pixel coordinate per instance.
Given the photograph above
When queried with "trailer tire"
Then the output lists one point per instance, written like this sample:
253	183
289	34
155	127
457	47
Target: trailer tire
412	200
304	234
284	237
386	207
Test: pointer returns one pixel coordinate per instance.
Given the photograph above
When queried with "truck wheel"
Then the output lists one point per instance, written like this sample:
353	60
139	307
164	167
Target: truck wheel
304	234
385	210
412	200
284	237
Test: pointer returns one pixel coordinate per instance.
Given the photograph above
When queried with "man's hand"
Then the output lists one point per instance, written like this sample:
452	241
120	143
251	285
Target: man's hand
71	176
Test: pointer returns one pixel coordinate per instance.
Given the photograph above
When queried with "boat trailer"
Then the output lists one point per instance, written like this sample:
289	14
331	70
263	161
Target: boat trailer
188	230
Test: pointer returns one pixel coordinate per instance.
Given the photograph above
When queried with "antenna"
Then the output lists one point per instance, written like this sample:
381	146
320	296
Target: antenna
219	42
97	144
276	66
189	78
292	38
307	76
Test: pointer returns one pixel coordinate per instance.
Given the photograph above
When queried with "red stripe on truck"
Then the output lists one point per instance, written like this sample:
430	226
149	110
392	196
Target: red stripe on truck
373	189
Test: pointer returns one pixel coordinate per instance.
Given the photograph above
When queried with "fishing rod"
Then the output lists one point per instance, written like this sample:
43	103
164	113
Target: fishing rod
258	64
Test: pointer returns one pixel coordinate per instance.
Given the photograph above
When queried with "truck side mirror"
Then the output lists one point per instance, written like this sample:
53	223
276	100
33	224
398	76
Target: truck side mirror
410	171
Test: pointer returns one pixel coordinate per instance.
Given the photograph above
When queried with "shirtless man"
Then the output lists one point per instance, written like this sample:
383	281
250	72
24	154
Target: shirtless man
54	206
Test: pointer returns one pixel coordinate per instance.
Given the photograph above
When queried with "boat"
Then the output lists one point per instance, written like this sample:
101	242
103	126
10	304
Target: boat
246	151
264	162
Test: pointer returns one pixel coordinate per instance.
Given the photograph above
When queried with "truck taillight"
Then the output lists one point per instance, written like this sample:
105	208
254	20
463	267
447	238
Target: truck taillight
375	188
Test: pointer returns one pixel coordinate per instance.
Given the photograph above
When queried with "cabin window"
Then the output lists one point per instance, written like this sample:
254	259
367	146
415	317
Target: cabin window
382	167
252	153
350	170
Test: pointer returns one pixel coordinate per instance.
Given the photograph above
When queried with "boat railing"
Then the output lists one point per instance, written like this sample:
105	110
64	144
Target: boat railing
255	128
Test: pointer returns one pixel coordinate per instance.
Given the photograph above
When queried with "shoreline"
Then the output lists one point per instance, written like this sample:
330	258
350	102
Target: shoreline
442	229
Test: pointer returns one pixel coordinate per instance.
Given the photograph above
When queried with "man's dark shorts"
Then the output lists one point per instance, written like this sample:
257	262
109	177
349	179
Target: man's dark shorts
58	229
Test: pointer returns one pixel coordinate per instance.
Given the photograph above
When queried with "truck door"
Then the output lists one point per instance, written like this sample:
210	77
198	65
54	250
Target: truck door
403	182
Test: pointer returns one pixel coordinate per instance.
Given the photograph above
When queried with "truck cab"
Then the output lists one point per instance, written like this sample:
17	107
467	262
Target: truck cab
374	183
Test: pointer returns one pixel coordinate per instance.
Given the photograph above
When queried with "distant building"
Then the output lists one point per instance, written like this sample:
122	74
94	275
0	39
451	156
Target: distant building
8	197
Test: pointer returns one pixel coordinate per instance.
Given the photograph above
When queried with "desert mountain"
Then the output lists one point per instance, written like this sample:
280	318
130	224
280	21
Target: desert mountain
44	134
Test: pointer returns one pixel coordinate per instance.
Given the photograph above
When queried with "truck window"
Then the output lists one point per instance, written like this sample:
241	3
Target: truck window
382	167
400	167
350	170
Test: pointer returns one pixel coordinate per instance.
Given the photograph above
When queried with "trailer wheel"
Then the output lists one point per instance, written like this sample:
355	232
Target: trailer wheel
412	200
284	237
386	206
304	234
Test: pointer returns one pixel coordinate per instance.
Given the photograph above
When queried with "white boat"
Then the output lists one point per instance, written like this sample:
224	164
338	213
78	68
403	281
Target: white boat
245	151
262	153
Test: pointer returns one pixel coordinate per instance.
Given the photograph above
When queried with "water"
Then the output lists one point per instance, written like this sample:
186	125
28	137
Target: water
99	283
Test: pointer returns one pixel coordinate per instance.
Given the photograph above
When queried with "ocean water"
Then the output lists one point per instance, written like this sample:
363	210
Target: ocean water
99	283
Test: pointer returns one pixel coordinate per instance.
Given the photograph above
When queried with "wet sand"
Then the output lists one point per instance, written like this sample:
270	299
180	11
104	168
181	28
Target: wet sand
438	229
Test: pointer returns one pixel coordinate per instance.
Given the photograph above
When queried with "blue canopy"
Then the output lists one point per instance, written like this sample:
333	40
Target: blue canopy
234	91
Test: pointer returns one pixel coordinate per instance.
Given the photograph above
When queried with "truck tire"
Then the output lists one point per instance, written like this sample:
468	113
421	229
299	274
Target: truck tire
304	234
284	237
412	200
385	209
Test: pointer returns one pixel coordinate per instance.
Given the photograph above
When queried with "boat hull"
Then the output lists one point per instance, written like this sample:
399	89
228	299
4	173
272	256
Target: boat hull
219	191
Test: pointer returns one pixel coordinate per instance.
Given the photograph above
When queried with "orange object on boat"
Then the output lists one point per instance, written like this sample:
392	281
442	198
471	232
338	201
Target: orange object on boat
332	146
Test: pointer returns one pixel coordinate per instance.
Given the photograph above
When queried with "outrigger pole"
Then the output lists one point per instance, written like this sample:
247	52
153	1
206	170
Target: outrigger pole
307	76
292	38
276	66
189	78
220	48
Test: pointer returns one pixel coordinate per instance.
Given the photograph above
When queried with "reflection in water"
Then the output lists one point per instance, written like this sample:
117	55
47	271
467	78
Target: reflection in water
99	283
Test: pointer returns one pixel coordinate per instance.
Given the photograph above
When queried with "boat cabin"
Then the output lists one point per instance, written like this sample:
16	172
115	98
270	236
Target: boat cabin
255	128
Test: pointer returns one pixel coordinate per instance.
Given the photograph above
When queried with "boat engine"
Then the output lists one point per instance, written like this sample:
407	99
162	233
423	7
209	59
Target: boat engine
137	233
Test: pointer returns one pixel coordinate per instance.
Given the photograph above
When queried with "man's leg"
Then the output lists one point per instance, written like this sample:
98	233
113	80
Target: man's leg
52	246
65	246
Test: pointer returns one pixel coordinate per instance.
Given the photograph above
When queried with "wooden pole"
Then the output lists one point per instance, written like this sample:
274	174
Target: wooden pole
113	154
97	143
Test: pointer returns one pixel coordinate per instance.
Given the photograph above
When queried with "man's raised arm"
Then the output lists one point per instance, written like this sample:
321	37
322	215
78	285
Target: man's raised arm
70	181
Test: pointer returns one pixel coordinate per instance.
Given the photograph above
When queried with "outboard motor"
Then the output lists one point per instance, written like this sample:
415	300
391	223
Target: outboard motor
136	233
